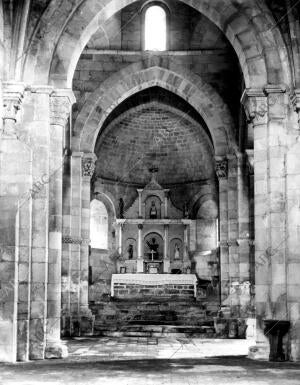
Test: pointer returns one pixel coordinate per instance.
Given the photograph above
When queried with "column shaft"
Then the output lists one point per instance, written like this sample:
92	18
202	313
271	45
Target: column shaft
60	111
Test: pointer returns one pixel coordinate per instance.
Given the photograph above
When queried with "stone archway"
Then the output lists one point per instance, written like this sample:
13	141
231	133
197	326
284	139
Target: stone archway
135	78
248	22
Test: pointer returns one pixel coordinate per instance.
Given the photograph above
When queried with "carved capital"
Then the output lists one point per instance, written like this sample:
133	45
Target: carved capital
295	100
88	165
255	103
222	168
13	94
61	102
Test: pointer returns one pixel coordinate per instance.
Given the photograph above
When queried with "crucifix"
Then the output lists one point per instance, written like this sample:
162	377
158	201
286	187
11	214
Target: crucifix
152	252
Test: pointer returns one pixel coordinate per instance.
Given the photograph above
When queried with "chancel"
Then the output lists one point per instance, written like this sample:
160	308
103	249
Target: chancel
158	237
149	179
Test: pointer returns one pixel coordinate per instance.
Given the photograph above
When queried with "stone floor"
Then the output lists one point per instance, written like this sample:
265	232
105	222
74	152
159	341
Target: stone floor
151	361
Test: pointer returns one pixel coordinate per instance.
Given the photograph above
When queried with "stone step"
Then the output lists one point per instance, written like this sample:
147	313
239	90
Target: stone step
157	331
152	313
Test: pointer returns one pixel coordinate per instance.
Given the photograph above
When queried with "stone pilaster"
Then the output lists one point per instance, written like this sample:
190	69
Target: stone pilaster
14	181
221	167
256	108
243	235
88	168
61	102
233	246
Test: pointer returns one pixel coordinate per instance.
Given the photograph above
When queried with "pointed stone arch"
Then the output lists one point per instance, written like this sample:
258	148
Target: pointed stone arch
53	58
135	78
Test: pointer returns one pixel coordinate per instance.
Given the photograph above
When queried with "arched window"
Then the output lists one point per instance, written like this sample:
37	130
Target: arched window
98	225
155	28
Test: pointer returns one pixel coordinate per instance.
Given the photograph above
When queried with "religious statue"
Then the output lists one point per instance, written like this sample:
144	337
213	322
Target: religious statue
121	208
153	211
130	251
153	248
176	252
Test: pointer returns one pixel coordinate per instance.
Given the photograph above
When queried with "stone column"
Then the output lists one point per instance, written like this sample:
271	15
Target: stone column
222	174
293	228
250	164
243	234
88	168
39	115
75	271
166	249
15	170
61	102
72	241
266	108
233	245
140	260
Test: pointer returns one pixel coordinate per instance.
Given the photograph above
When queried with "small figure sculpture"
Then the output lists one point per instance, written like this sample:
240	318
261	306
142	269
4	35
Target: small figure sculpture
130	251
176	252
153	211
121	208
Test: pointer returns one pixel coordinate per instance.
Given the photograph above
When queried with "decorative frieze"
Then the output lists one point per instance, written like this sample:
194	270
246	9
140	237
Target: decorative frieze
222	168
69	239
72	240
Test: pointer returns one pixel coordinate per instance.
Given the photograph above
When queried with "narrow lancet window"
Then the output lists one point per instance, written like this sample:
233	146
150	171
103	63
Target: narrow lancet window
155	29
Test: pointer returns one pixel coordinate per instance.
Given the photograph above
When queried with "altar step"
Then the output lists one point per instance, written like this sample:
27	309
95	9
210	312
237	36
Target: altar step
155	331
117	314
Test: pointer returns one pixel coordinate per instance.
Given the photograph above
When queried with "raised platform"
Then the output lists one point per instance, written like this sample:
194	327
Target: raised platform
153	285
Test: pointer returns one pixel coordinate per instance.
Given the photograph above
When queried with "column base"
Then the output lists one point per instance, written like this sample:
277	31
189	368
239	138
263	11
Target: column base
166	266
56	349
260	351
140	265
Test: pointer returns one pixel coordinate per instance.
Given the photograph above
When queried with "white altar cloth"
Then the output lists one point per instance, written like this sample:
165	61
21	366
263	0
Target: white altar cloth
154	279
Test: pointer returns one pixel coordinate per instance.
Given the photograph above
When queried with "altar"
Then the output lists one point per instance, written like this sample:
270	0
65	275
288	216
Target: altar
153	234
129	286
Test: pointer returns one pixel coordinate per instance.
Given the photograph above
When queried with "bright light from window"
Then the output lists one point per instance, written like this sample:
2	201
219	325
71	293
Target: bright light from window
155	29
98	225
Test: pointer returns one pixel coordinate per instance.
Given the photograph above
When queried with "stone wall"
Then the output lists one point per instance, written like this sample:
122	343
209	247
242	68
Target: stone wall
156	133
215	66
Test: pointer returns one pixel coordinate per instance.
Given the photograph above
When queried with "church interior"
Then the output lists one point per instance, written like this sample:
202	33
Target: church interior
149	184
